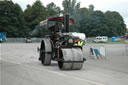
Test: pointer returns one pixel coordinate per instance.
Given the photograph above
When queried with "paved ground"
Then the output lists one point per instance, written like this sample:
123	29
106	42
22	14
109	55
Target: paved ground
20	66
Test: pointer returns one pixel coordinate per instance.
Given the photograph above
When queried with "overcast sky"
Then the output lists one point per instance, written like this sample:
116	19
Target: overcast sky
120	6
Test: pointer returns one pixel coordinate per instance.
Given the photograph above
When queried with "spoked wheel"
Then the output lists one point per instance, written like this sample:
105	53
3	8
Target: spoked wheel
72	59
45	52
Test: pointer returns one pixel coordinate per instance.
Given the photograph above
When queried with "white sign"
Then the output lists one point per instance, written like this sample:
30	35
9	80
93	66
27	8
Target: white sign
102	51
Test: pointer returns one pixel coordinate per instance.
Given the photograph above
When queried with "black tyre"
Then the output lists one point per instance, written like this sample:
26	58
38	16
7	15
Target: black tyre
45	57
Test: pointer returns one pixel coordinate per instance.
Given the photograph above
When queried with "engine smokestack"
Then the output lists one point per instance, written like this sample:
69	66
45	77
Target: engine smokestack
66	22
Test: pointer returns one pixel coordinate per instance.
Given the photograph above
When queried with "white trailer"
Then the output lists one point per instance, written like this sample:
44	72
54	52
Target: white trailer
101	39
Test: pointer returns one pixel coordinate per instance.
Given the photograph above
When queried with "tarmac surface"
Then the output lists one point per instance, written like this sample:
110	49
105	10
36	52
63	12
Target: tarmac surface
19	65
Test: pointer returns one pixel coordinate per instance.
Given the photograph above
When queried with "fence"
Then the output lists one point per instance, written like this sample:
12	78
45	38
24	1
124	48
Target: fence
126	49
92	38
22	40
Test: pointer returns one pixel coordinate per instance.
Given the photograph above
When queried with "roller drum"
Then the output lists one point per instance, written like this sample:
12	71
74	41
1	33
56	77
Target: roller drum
72	59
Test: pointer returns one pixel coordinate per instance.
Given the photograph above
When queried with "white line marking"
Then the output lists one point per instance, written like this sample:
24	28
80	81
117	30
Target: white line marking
9	61
61	74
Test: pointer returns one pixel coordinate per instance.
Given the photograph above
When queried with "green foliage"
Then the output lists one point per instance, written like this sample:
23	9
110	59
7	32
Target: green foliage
34	14
115	23
96	23
92	22
72	7
19	23
11	19
53	10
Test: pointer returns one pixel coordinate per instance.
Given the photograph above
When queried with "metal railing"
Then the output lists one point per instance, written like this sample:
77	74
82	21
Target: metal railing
22	40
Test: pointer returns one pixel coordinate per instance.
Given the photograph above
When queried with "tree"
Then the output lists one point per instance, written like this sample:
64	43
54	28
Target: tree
53	10
11	19
84	21
115	23
92	22
72	7
34	14
91	8
98	25
67	6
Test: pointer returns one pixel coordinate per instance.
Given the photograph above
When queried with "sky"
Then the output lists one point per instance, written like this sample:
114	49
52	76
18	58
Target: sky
120	6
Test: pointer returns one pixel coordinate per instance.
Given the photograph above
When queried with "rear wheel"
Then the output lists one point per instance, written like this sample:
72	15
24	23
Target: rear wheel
45	52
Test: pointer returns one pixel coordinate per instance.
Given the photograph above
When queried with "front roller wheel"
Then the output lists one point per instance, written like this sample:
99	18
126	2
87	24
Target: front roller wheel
71	59
64	66
70	66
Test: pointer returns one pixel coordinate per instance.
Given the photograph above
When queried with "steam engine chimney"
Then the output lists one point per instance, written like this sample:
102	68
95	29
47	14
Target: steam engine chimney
66	22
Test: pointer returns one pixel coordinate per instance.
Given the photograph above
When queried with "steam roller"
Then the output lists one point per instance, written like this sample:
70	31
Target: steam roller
58	45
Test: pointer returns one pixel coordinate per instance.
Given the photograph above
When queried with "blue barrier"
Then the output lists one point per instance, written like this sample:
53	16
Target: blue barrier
3	37
113	39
